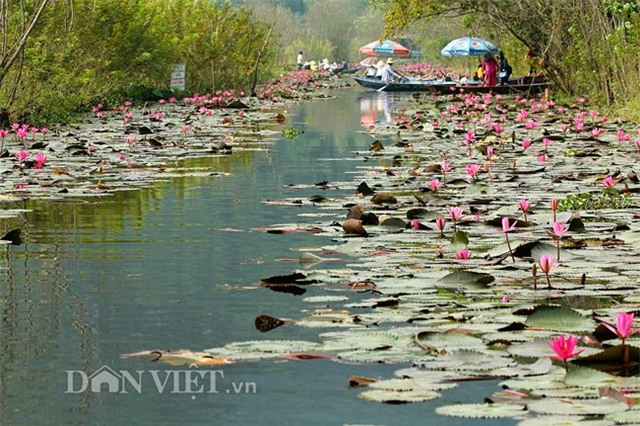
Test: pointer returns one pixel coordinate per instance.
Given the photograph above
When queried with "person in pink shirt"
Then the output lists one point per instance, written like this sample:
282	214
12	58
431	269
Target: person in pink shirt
490	69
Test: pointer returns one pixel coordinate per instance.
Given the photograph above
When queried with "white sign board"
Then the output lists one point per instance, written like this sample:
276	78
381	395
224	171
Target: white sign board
178	77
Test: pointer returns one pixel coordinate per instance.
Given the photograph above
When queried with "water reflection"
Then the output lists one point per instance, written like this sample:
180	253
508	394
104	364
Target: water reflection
379	107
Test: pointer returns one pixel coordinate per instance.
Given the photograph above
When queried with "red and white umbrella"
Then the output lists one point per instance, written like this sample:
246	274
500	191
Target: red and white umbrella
384	48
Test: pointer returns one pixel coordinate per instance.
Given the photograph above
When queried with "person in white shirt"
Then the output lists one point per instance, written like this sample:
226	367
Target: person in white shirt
300	60
388	73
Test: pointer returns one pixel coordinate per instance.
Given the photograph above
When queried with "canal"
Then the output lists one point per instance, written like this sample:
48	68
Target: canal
178	266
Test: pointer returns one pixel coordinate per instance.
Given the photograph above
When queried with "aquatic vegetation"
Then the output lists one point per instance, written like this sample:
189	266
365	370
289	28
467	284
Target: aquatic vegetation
290	132
596	201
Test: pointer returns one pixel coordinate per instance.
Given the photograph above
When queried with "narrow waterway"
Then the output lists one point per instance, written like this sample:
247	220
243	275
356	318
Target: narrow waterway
178	266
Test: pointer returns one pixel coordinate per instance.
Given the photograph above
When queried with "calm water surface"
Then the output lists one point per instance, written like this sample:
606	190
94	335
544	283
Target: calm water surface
150	269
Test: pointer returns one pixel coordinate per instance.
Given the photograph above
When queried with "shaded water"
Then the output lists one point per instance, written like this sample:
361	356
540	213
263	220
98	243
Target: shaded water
151	269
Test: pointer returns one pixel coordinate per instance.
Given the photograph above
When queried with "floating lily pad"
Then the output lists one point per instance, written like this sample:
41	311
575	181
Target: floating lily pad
625	417
575	407
534	349
325	299
564	421
411	384
385	355
464	361
451	340
559	318
482	411
466	279
397	397
588	377
272	346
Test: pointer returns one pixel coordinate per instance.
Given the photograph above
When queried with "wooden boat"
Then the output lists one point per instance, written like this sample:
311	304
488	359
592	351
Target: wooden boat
346	71
522	85
510	88
405	85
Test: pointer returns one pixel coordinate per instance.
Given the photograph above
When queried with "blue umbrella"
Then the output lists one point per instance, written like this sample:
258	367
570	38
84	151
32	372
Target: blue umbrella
469	46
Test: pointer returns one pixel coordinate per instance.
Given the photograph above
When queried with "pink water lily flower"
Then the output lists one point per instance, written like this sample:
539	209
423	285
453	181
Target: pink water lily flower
622	136
553	204
440	223
559	229
531	124
546	264
41	160
435	185
597	131
524	206
526	143
463	254
22	133
624	321
21	155
455	213
609	182
565	348
506	227
472	170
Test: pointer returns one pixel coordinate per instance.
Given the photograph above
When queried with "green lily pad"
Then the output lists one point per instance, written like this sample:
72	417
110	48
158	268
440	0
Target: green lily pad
402	385
588	377
447	340
465	361
575	407
564	421
397	397
325	299
459	239
625	417
534	349
467	279
559	318
272	346
482	411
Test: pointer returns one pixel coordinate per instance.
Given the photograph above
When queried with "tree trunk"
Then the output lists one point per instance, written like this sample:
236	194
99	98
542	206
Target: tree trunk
10	56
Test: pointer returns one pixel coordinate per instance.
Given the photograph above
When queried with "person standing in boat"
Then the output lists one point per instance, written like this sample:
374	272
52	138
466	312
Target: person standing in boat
489	69
388	73
505	70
